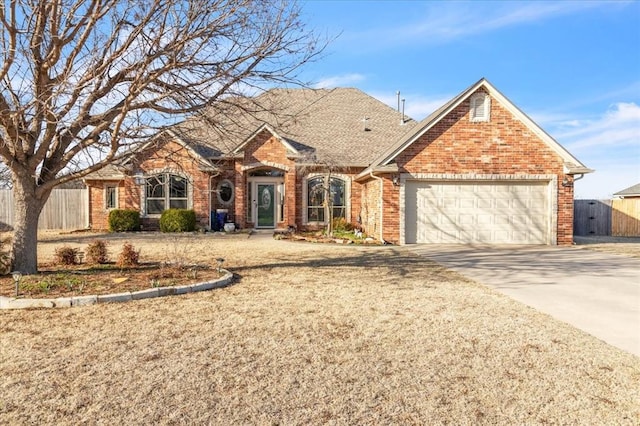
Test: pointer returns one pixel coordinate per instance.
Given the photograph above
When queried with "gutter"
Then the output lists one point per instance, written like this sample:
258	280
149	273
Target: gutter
380	202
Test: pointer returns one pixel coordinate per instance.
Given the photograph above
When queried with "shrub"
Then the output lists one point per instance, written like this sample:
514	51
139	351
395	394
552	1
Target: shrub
340	224
66	256
96	252
128	256
178	220
124	220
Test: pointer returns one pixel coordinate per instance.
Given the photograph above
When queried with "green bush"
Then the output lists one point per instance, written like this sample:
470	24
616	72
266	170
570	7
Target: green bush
178	220
124	220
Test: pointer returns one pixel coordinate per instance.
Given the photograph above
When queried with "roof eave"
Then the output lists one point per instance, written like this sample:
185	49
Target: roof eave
572	169
388	168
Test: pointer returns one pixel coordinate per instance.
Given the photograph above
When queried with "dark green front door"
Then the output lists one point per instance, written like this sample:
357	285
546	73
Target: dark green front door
266	205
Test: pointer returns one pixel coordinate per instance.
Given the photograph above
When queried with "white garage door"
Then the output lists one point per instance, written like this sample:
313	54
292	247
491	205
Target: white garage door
477	212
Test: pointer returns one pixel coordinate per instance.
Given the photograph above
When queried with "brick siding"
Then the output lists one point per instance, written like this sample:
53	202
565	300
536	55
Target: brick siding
501	146
455	145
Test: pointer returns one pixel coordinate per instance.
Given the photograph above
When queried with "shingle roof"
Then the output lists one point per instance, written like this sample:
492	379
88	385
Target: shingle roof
627	192
108	172
327	124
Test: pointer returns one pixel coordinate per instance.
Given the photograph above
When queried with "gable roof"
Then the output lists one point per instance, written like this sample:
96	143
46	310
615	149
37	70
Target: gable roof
121	168
323	124
268	128
572	164
632	191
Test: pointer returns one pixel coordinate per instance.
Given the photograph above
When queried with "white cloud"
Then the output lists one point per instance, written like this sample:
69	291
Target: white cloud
342	80
446	21
618	127
608	143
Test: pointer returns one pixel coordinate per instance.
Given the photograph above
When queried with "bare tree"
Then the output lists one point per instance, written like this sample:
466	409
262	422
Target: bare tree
84	81
324	189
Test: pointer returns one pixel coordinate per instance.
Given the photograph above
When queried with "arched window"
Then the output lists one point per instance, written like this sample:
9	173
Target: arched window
317	190
166	191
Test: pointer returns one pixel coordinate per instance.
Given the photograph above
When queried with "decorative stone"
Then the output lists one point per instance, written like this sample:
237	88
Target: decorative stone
145	294
30	303
62	302
115	298
166	291
183	289
202	286
84	300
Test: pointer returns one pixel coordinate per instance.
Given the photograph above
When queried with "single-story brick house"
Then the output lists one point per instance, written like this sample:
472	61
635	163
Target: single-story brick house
477	170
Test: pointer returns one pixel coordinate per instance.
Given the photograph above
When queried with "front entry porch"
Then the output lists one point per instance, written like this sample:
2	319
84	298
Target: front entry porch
265	198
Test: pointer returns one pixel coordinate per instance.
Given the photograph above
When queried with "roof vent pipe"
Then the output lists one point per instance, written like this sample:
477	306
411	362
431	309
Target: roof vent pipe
398	95
402	120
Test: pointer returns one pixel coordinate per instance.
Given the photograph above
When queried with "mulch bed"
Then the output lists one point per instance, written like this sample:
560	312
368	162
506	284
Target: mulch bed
57	281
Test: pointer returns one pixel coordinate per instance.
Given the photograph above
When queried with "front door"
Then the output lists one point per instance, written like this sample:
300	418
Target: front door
266	205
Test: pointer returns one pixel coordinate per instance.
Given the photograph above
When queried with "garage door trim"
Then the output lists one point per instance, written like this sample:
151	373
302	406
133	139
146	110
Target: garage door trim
550	180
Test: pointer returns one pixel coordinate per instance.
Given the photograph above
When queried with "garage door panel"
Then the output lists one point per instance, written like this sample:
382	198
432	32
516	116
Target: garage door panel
467	203
472	212
503	204
502	219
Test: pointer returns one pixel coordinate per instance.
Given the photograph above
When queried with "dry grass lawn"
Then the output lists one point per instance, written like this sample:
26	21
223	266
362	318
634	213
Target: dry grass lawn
308	334
625	246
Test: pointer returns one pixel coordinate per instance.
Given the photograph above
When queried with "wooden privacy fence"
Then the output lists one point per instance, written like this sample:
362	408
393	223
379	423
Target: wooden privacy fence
65	209
618	218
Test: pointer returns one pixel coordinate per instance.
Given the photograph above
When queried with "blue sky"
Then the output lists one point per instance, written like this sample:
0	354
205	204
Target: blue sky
573	67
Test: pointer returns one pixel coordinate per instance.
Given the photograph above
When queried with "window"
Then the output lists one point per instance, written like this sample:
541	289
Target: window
166	191
110	197
316	193
480	104
225	192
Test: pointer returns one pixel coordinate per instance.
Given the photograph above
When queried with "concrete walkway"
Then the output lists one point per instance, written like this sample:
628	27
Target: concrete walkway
596	292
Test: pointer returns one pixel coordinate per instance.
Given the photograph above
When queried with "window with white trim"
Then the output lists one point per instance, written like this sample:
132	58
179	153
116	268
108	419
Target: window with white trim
166	191
225	192
480	107
316	194
110	197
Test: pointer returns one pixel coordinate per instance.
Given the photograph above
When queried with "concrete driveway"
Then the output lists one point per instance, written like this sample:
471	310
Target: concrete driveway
596	292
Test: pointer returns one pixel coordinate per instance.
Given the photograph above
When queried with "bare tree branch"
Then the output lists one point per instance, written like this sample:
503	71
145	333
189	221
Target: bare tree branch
84	81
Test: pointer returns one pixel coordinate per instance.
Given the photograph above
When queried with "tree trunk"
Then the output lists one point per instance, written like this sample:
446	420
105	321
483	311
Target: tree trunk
328	205
27	208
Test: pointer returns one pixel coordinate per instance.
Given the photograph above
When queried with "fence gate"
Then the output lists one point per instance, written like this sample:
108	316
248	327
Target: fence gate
592	217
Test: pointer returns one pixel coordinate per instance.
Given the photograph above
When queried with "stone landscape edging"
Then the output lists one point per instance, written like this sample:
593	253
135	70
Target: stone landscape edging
68	302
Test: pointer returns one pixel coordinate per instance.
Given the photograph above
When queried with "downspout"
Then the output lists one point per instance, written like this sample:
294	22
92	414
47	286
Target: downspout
380	202
210	193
